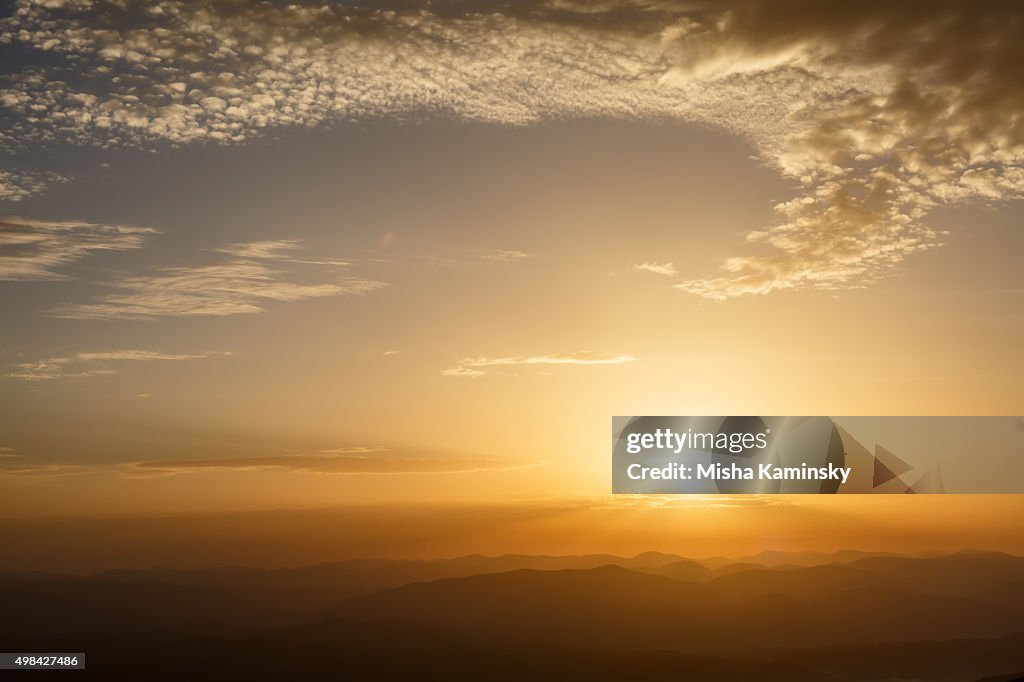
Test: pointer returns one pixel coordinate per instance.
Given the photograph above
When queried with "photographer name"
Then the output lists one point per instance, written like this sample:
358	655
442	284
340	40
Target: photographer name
677	471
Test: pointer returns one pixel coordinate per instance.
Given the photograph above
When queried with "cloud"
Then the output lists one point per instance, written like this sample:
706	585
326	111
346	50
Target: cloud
667	269
16	185
478	257
924	118
271	249
247	277
622	502
82	365
8	452
354	450
503	255
281	250
42	470
877	111
337	464
462	371
38	250
474	367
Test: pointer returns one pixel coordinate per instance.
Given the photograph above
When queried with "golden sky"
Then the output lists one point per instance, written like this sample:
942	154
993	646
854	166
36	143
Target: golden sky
257	256
692	527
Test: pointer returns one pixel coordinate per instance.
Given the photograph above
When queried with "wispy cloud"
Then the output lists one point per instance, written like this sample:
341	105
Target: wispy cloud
374	461
39	250
477	367
81	365
8	452
478	257
878	113
355	450
282	250
667	269
503	255
42	471
245	280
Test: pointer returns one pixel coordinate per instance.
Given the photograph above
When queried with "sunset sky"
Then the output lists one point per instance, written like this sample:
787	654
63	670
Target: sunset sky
267	255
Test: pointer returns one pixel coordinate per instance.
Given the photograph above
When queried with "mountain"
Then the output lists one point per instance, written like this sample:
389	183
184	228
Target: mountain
685	570
949	618
397	650
390	651
964	573
980	589
57	605
773	558
612	606
358	575
942	661
237	599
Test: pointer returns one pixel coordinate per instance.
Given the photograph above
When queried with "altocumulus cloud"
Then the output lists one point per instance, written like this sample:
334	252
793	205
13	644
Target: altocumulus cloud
242	278
878	111
16	185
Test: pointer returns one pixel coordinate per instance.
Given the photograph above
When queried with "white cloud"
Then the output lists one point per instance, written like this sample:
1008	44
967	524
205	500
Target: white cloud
245	281
270	249
476	257
350	461
667	269
39	250
281	250
474	367
503	255
81	365
463	372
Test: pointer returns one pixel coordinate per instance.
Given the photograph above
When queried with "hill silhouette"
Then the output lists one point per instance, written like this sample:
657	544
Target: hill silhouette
949	618
615	606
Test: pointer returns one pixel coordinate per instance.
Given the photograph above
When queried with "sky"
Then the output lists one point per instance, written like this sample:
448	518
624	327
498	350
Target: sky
265	255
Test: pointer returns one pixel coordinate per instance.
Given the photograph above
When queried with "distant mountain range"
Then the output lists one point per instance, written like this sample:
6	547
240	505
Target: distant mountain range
849	616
